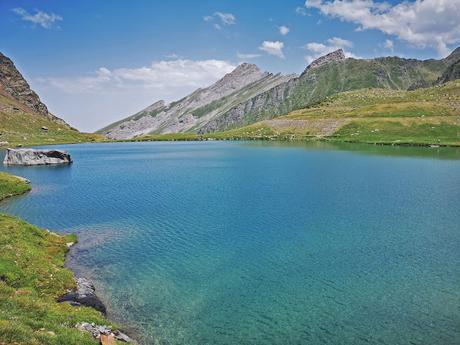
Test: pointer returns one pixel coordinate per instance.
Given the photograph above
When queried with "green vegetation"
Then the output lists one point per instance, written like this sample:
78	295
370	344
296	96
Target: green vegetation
32	277
429	116
12	185
19	127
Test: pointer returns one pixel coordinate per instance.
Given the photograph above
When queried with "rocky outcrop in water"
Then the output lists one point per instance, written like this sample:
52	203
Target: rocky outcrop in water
85	294
36	157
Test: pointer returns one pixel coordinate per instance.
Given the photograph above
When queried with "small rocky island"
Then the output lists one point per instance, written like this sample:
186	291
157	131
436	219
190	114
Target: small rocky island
36	157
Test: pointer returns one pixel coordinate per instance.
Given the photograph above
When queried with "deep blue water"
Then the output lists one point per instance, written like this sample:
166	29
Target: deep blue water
258	243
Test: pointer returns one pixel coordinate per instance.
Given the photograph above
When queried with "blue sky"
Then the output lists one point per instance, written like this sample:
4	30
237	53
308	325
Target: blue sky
93	62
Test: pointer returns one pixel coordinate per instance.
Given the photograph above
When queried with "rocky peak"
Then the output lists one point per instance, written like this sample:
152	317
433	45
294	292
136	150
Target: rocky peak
241	76
155	106
335	56
453	57
17	87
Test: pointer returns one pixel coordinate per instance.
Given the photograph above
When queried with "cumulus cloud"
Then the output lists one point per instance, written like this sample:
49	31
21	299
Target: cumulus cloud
220	19
43	19
274	48
284	30
422	23
160	74
388	44
317	49
91	101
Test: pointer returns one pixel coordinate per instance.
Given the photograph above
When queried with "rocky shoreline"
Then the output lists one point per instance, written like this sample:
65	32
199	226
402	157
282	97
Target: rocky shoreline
85	295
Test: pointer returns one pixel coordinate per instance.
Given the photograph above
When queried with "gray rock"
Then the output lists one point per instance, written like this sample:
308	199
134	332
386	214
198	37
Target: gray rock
85	294
98	330
36	157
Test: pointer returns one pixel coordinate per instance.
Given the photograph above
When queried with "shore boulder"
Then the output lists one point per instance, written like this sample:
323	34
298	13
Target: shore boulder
36	157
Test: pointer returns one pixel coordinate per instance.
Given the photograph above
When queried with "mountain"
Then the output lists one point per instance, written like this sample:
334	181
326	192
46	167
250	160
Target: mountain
332	74
425	116
24	118
248	95
196	110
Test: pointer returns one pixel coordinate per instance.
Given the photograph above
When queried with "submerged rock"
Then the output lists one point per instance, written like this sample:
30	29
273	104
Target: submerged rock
36	157
85	294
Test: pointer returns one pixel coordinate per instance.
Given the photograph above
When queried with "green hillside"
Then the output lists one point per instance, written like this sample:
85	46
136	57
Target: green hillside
336	76
429	116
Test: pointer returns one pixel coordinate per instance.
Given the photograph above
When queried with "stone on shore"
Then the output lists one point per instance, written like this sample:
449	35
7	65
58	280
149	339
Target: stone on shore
85	294
36	157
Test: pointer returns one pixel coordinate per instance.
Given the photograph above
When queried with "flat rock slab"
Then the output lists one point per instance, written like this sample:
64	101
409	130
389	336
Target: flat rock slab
36	157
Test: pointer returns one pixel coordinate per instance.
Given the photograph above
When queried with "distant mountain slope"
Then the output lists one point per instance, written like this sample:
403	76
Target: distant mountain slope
333	74
24	119
423	116
194	111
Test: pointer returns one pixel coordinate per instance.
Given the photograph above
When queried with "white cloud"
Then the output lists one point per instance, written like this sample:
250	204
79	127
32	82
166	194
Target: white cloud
243	56
340	42
91	101
388	44
301	11
284	30
422	23
45	20
317	49
226	18
223	19
273	48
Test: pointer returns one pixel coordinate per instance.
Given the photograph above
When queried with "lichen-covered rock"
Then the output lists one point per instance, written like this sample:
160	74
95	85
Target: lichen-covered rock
36	157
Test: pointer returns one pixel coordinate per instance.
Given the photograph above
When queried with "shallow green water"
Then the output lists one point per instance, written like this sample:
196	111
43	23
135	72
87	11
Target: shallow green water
262	243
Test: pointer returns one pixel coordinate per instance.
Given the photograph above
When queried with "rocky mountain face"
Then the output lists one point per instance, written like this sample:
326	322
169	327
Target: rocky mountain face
194	111
330	75
13	85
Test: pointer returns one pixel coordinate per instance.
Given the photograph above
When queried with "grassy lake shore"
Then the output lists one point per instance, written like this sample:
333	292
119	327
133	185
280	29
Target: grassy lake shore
32	277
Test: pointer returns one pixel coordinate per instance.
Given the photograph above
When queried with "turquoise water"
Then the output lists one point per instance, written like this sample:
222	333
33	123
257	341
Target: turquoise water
258	243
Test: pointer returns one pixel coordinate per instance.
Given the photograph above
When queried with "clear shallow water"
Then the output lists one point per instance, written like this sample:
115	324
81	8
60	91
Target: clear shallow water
254	243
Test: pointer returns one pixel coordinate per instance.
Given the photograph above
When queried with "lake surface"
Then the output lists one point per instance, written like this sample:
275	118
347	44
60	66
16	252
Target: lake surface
233	243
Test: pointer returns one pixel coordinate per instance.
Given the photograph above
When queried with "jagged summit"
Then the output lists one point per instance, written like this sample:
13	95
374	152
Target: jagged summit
156	106
337	55
454	56
241	76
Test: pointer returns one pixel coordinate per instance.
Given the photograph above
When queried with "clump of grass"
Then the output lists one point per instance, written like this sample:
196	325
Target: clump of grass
12	185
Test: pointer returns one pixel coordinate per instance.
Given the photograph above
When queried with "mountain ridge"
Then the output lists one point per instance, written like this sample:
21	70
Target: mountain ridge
195	109
276	95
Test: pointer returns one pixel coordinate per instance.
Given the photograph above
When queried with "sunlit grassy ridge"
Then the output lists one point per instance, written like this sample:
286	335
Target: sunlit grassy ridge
20	127
421	117
32	276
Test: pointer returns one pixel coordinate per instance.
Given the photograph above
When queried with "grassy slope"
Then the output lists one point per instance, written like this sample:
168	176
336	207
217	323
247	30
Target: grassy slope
32	276
20	127
11	185
423	116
